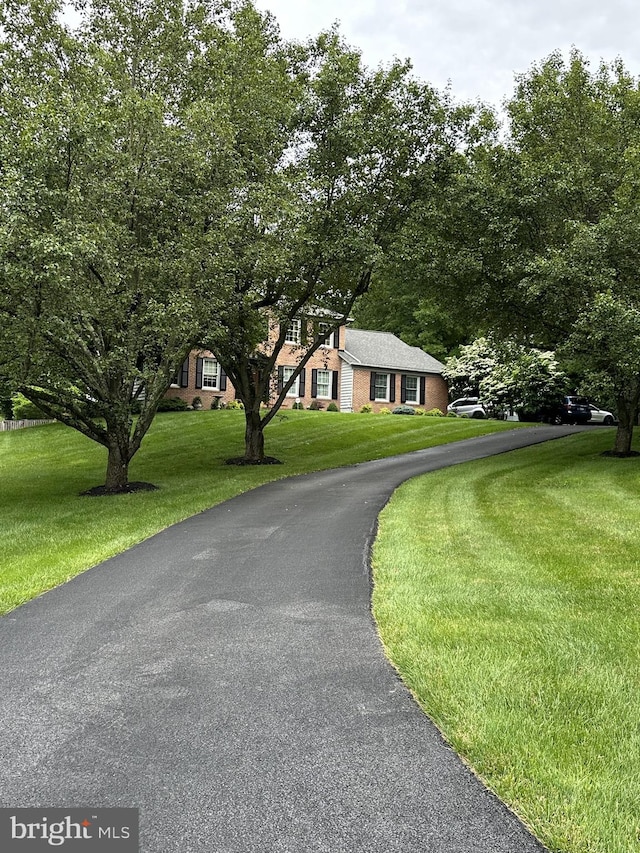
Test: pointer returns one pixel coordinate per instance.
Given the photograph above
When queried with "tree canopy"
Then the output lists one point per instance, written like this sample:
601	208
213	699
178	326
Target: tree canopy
315	221
175	174
538	231
125	142
426	289
576	134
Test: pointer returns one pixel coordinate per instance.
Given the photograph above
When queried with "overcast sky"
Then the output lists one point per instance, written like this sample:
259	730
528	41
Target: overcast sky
476	45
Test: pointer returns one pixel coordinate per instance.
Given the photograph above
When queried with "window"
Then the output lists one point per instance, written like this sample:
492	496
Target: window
210	374
381	386
324	329
411	389
323	388
286	375
294	332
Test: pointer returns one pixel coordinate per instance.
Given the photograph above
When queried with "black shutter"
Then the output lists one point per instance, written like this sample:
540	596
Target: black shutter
372	387
199	363
334	385
336	339
314	383
301	383
184	373
392	387
403	388
223	379
423	387
280	379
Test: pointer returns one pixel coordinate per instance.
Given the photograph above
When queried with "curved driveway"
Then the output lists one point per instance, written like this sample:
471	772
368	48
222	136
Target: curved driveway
225	677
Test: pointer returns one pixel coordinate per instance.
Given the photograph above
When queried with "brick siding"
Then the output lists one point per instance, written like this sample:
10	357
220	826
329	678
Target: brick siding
436	392
190	391
325	358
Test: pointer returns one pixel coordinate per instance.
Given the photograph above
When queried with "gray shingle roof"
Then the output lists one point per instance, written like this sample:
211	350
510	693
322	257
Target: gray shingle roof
385	350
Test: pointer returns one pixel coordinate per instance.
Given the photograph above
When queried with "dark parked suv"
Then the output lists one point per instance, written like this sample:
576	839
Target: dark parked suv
568	410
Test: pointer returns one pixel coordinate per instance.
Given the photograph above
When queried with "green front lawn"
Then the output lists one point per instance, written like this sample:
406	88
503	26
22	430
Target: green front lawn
507	593
49	533
506	590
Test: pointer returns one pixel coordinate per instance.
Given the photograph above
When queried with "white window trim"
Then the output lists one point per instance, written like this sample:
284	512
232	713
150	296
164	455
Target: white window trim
206	377
329	382
294	333
286	374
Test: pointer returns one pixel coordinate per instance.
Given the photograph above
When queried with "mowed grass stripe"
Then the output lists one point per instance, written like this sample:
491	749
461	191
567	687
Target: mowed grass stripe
507	594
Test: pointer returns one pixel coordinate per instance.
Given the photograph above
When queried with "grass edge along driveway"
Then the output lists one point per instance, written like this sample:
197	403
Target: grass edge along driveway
506	594
50	533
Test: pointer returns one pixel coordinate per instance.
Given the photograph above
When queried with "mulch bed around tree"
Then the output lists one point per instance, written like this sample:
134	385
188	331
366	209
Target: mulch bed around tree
102	491
240	460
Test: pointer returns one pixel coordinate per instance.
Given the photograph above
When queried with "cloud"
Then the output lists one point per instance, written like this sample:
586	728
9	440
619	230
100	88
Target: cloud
478	45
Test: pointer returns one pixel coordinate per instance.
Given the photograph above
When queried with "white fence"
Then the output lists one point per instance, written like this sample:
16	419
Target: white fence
5	426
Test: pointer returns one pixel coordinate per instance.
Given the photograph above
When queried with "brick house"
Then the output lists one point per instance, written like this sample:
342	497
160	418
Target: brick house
351	368
381	370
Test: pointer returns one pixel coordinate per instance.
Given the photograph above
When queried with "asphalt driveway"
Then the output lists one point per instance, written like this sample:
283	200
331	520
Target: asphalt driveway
226	678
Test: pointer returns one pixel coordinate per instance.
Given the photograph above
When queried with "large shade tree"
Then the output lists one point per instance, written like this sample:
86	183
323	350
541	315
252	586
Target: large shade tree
119	158
560	200
320	209
576	133
537	235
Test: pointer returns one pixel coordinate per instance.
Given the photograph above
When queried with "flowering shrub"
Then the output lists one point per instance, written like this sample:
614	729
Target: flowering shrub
465	371
506	375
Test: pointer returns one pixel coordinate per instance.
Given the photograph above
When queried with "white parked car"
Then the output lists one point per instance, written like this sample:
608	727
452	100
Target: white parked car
601	416
469	406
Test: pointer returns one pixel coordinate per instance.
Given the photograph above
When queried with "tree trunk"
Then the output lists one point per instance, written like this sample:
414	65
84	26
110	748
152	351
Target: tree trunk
117	468
627	415
624	435
253	437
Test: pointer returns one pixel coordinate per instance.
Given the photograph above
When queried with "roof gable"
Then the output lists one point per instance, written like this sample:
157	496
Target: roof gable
383	350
